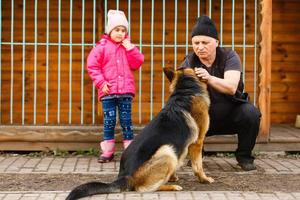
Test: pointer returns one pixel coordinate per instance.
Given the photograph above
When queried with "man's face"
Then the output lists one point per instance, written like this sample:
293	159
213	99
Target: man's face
204	46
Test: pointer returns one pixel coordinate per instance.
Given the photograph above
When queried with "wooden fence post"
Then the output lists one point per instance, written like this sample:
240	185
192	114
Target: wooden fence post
265	58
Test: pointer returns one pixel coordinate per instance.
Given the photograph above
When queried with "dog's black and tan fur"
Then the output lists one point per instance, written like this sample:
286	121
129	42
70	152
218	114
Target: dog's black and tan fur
152	159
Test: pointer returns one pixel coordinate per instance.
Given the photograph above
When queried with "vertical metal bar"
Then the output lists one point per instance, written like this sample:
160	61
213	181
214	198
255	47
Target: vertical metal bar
58	61
186	27
221	24
12	62
151	58
129	17
232	25
23	60
244	40
82	62
140	70
94	41
175	35
255	51
70	63
0	61
47	63
117	2
35	59
209	8
163	53
105	13
198	8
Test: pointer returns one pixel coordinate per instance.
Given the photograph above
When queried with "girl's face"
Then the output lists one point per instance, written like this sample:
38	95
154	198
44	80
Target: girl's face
118	34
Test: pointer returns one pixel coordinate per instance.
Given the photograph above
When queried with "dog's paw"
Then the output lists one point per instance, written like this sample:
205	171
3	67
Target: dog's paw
210	179
177	188
206	179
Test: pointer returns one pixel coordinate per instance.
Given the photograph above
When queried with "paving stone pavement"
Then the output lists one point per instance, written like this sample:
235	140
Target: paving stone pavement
89	165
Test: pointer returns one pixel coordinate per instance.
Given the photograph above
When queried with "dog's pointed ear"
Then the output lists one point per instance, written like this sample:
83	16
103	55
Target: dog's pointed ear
169	72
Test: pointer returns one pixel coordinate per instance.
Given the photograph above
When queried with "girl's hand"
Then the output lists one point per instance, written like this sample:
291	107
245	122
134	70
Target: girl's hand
105	88
127	44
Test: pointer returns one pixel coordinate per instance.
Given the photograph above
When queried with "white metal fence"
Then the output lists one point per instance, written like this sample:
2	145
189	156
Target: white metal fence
44	44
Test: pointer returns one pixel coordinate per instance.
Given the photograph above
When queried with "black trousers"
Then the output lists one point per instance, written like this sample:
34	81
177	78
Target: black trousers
242	119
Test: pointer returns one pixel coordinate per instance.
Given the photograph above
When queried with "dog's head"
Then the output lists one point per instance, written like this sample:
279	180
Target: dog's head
182	77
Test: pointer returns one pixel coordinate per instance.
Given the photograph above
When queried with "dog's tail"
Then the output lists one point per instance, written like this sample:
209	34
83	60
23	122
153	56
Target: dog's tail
92	188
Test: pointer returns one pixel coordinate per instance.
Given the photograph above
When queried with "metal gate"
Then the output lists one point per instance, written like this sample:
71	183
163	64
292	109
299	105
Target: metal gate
44	45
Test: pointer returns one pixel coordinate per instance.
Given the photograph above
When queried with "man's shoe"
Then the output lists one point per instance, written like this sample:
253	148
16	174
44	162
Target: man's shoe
247	166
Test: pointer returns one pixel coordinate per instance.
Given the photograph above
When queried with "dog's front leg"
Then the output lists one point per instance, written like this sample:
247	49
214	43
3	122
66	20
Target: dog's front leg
195	153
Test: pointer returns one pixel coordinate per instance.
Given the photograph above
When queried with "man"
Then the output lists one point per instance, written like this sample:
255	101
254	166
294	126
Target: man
230	112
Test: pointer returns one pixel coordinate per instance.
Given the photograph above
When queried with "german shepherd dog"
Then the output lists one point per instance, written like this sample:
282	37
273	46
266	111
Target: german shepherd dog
152	159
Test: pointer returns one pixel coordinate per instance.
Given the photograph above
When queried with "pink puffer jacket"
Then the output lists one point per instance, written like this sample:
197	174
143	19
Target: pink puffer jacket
110	62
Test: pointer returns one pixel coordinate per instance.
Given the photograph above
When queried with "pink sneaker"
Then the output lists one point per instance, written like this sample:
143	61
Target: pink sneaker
108	149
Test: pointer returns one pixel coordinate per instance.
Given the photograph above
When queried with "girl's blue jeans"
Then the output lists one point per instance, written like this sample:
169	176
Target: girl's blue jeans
109	105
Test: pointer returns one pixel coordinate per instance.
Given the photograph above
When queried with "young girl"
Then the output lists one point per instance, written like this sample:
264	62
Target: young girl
110	65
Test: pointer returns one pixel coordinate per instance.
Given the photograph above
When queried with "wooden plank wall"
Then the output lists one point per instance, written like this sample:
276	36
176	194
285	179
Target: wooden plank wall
285	95
41	62
76	55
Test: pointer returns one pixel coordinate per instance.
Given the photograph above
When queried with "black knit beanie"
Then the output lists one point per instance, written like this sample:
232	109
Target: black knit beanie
205	26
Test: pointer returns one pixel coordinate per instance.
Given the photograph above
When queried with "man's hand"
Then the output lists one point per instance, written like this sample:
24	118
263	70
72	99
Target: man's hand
127	44
203	74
